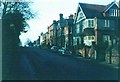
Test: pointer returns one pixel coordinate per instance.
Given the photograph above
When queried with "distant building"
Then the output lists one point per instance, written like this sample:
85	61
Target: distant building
61	34
68	31
52	33
44	37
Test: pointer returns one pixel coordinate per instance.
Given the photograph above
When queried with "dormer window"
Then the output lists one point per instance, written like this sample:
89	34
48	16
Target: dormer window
113	12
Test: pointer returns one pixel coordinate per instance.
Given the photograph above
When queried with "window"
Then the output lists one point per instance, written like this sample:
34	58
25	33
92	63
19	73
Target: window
51	32
66	30
113	12
118	13
90	23
89	37
106	38
80	16
77	41
77	28
92	37
85	38
107	24
70	30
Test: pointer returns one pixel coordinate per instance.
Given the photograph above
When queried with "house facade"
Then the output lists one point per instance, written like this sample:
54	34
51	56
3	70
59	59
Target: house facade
69	32
43	39
95	24
50	34
60	32
92	32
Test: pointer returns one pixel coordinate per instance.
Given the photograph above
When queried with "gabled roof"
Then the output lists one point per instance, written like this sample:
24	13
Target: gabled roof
92	10
110	5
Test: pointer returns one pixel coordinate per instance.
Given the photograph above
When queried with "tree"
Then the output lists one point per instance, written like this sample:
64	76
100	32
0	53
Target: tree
14	17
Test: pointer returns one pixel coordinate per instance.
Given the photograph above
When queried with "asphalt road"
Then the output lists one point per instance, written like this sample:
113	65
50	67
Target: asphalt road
42	64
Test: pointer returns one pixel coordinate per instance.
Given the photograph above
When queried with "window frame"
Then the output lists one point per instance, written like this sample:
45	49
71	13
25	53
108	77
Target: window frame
113	12
106	23
90	23
78	28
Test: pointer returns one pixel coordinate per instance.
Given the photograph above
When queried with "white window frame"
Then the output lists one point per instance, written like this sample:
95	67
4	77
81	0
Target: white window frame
117	12
78	28
106	38
90	23
89	37
113	12
85	38
107	23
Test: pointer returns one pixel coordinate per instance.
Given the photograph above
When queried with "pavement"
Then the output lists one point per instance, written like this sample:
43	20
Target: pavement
116	66
111	65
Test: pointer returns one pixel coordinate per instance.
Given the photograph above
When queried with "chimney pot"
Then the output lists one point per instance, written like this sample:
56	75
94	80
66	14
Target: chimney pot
61	15
71	16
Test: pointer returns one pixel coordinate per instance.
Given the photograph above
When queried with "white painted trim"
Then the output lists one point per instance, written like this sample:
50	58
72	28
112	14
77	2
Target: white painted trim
111	6
76	13
84	17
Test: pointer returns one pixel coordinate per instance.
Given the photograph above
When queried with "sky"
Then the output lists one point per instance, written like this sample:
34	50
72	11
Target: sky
48	10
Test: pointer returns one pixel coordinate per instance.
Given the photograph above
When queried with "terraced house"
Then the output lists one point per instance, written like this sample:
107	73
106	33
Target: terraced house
91	32
96	24
60	32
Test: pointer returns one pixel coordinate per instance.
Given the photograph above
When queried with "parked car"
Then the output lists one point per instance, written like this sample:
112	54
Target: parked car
64	51
54	48
68	52
61	50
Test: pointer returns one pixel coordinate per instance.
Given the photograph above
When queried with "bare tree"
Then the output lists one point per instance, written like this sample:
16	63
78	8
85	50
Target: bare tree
14	17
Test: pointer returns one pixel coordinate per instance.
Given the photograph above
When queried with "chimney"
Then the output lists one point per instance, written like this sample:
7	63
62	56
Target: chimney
71	16
75	15
61	15
54	21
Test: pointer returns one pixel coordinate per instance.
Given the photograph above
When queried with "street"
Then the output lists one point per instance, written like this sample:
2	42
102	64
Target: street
42	64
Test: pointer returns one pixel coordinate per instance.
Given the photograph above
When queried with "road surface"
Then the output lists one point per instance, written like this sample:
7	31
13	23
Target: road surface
42	64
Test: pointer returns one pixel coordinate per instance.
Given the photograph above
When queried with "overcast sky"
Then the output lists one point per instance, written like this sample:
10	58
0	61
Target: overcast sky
49	10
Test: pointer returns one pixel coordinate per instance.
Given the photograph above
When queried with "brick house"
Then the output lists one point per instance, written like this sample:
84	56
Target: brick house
44	40
50	35
65	32
68	31
60	33
95	24
52	31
